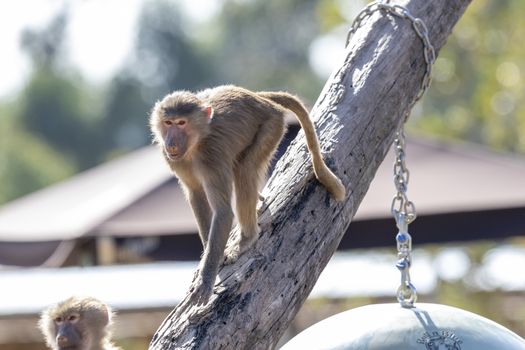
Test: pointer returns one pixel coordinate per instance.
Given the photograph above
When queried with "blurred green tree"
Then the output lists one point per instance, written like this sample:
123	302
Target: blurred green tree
26	162
124	123
53	105
264	45
165	57
478	90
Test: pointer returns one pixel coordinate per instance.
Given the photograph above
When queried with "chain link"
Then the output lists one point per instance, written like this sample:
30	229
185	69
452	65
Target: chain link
403	210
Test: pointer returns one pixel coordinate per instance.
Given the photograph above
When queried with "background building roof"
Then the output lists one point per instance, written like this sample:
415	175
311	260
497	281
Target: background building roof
137	195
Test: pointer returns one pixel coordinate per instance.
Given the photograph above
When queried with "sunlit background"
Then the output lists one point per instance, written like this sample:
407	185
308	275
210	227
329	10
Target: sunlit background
77	79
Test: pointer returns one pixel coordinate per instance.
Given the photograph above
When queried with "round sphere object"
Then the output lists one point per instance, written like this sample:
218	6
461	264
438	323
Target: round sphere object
392	327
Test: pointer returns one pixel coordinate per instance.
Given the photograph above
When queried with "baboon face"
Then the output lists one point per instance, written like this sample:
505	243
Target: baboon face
179	122
68	335
75	324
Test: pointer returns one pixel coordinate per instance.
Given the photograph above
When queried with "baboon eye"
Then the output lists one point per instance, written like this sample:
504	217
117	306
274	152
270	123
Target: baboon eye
168	123
59	320
72	318
180	122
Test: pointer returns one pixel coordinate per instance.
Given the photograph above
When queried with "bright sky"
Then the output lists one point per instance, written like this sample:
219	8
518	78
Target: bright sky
15	15
97	43
100	34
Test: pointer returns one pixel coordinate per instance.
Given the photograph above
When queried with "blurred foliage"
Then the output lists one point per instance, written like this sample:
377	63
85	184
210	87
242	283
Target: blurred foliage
123	126
74	128
166	58
55	104
260	47
478	88
477	92
51	108
27	163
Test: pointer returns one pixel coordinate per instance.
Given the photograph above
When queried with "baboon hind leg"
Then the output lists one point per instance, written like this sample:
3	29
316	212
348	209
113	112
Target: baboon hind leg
249	174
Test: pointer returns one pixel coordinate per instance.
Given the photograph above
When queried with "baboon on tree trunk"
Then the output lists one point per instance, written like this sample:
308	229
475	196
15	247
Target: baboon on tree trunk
222	139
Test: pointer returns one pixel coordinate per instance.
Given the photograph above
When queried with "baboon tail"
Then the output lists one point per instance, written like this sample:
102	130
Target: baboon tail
322	172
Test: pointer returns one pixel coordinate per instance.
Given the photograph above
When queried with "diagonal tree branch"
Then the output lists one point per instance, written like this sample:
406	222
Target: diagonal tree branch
357	115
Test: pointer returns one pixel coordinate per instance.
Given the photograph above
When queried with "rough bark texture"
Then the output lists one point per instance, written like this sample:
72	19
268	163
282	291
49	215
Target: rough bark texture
356	115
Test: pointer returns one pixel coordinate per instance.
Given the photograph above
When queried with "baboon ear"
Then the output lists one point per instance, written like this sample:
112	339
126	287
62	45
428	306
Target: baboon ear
107	314
209	112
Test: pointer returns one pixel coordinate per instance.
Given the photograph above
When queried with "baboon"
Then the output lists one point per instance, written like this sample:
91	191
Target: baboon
77	323
222	139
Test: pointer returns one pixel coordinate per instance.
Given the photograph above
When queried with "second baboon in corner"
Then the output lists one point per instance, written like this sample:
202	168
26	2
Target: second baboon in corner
224	138
77	323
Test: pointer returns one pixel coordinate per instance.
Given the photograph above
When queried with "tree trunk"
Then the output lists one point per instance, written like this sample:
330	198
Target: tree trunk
357	114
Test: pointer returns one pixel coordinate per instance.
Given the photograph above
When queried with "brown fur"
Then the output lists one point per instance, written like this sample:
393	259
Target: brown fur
91	331
229	150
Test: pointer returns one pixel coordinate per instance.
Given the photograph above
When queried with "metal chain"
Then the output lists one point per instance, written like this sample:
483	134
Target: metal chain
419	27
404	212
402	208
400	203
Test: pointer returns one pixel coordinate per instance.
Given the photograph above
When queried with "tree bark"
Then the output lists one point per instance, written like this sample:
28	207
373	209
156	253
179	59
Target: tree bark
361	107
